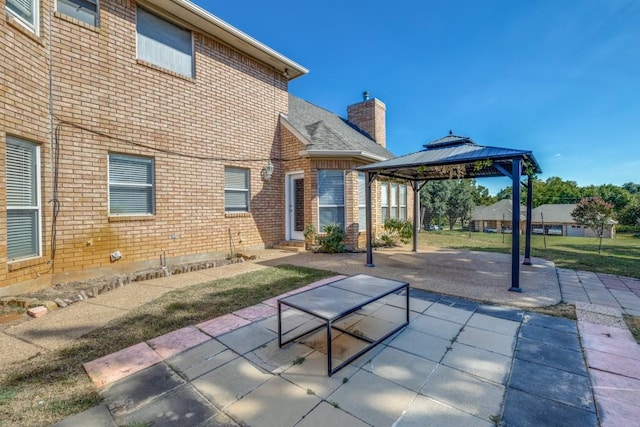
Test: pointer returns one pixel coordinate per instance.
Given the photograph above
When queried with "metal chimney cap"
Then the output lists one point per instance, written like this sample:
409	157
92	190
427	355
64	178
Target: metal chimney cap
365	95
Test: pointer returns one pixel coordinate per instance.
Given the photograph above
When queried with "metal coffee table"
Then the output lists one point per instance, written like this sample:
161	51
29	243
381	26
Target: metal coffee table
334	301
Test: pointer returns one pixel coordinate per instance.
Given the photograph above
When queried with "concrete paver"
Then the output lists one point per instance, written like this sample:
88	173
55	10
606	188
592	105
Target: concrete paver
376	400
465	392
275	393
427	412
556	384
486	364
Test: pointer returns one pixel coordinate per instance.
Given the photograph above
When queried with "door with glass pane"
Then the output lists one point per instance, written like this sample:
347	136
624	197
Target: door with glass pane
295	206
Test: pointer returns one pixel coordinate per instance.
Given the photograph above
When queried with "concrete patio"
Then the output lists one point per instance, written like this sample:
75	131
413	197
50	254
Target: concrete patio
459	362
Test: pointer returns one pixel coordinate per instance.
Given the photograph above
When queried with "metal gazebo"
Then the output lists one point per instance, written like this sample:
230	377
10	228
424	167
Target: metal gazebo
453	157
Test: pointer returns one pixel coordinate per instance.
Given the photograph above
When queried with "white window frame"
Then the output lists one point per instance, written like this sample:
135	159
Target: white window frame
33	26
362	201
229	189
384	201
322	205
79	4
150	185
163	61
37	208
394	200
402	201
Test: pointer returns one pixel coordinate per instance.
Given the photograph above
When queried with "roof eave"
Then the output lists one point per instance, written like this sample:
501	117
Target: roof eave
342	154
214	26
291	128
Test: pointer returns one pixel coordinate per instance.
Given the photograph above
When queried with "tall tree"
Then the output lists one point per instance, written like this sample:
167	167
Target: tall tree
593	212
631	187
460	201
433	201
616	196
630	215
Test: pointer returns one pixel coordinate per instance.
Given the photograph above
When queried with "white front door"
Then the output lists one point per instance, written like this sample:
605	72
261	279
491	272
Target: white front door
295	206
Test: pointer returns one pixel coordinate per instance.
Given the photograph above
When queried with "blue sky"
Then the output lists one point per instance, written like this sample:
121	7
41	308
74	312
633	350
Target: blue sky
559	78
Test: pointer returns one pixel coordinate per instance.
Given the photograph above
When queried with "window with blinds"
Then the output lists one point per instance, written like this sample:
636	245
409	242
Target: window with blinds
131	183
403	201
26	11
236	189
330	198
23	199
394	200
82	10
384	201
362	201
164	44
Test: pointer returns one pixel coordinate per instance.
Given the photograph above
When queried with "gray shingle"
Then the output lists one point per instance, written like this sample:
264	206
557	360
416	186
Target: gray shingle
325	130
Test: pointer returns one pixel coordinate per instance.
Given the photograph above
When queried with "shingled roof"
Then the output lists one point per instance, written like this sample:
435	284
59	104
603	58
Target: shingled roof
327	134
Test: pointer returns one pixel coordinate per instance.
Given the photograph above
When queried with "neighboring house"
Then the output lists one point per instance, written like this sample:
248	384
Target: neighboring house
556	219
496	218
134	131
551	219
321	153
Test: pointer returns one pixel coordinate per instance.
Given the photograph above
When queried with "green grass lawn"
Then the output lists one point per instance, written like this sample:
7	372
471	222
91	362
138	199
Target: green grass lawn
620	256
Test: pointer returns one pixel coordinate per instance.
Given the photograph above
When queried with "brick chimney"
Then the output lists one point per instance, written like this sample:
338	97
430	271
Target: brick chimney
369	117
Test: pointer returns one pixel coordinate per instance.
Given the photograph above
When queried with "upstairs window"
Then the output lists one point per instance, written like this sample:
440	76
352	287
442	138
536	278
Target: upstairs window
236	189
164	44
82	10
330	198
25	11
23	199
130	185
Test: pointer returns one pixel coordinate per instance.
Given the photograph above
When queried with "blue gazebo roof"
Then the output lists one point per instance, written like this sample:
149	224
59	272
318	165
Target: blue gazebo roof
453	157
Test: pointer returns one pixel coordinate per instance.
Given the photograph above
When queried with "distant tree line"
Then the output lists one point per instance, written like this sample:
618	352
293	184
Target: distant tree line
451	201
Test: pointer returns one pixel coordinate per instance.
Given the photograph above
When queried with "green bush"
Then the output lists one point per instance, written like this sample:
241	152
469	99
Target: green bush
621	228
397	229
332	241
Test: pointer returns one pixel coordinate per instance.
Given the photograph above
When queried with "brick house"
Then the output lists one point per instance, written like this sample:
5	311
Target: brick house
322	151
130	131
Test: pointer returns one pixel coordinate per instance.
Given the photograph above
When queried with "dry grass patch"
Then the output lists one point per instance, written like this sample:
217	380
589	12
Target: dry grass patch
633	323
559	310
52	386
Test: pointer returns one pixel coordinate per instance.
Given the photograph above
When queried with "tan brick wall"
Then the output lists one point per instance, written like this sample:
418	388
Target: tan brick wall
354	238
227	115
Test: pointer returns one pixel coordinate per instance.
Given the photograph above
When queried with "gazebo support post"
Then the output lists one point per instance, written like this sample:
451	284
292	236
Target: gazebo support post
370	177
516	168
527	243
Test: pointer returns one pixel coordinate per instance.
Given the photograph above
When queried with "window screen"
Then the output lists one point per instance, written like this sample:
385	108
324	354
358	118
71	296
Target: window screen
384	199
26	11
82	10
23	200
236	189
164	44
130	185
362	201
330	197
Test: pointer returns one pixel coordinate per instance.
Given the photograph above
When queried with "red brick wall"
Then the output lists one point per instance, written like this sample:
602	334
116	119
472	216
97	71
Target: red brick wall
227	115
